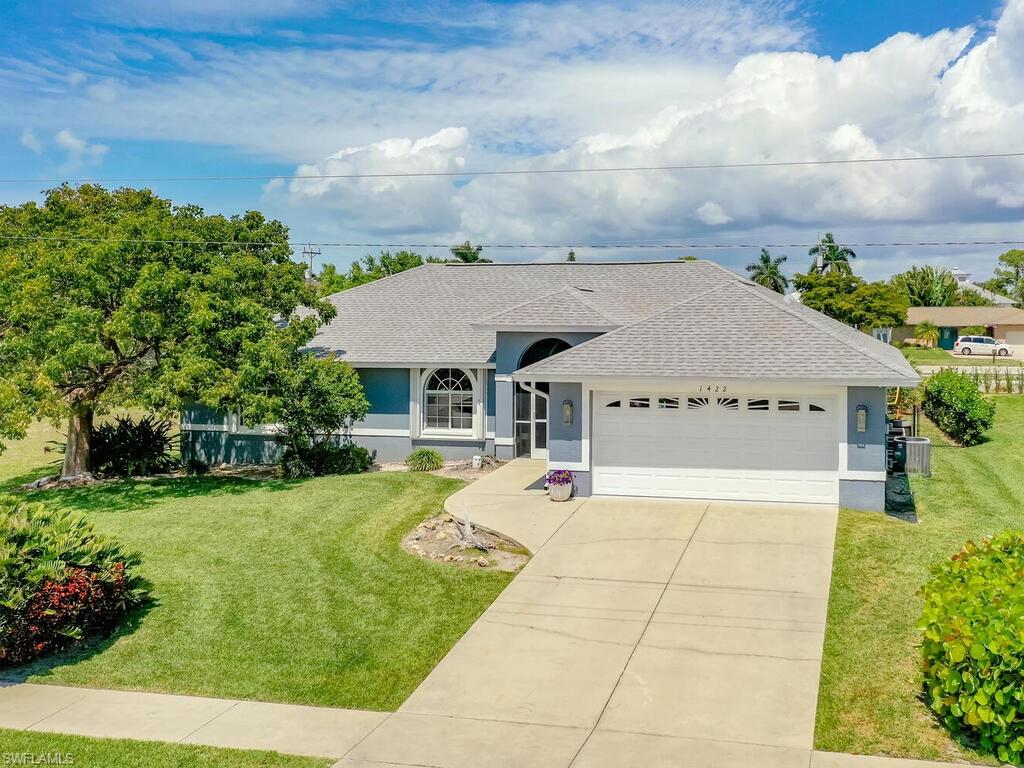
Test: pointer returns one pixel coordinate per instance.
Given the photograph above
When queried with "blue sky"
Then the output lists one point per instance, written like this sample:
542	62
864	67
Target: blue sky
206	87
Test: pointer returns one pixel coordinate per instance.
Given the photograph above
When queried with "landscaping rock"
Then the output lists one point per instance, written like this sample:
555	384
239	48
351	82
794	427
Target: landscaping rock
483	562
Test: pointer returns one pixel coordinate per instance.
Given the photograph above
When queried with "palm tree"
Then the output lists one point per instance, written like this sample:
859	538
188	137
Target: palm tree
831	255
927	286
469	254
766	272
927	332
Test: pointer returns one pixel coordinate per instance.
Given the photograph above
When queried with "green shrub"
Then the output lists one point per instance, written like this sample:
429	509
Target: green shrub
325	459
424	460
127	448
952	401
973	645
59	581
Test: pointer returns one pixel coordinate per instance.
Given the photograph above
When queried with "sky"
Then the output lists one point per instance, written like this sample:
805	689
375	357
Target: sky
154	88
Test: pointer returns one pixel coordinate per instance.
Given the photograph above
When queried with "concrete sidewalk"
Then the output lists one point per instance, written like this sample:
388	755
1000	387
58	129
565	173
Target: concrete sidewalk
313	731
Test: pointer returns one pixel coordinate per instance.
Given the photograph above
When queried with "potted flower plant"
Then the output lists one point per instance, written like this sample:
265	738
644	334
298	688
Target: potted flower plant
560	484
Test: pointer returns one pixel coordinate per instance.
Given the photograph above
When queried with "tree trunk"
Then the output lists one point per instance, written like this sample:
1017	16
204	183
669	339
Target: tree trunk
76	450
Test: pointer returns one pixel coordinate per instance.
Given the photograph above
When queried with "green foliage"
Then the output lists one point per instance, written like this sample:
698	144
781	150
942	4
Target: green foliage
974	330
468	253
953	402
325	458
44	553
424	460
127	448
767	272
926	286
973	644
105	318
968	297
834	257
851	300
928	332
367	269
1008	278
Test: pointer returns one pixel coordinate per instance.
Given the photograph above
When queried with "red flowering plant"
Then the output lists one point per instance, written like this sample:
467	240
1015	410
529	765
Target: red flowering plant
60	582
560	477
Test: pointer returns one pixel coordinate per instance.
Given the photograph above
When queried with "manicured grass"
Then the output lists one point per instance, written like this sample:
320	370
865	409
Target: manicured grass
117	753
935	356
870	680
292	591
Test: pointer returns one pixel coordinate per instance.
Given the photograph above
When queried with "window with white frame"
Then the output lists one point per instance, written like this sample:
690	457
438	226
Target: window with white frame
448	401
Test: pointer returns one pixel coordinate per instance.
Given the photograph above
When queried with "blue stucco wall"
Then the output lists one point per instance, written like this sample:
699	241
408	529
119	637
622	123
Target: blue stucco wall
866	450
387	389
864	495
565	442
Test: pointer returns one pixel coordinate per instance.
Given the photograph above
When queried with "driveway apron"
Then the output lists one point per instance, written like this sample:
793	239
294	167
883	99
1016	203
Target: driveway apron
643	632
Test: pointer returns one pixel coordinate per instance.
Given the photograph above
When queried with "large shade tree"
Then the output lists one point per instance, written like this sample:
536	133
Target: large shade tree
1008	278
852	300
767	271
830	256
468	253
119	297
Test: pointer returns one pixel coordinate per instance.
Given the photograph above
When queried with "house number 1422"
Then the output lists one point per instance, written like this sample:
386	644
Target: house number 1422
712	388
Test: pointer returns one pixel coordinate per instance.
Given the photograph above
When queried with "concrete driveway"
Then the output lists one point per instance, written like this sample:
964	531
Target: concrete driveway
643	632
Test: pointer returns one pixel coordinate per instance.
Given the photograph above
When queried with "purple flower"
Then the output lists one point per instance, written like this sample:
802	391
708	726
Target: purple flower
560	477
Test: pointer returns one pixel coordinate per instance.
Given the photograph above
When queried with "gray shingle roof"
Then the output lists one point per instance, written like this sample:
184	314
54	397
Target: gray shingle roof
676	319
566	307
430	314
735	330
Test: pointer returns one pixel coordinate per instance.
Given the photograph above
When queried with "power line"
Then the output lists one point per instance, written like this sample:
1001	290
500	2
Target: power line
520	172
539	246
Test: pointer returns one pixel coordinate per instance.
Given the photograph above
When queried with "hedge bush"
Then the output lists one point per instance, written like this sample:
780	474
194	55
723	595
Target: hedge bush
973	646
424	460
60	581
953	402
325	459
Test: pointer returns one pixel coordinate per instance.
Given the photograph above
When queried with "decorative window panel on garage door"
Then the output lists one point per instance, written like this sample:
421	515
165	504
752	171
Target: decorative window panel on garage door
749	447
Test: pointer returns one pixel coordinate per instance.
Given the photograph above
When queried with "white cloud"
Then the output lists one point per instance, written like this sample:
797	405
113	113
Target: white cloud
712	214
30	141
568	85
78	150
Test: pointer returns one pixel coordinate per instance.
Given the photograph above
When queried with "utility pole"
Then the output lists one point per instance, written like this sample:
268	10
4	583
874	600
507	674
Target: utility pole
310	253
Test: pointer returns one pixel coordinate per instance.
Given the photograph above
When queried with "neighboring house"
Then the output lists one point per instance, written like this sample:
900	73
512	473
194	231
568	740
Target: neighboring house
963	280
667	379
1001	322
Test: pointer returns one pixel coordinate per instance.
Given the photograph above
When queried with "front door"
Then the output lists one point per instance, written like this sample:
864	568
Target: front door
947	336
531	423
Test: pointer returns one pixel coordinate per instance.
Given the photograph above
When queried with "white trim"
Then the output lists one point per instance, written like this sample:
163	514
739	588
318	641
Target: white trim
587	400
411	364
505	378
575	466
506	441
862	474
480	404
421	395
375	432
448	437
542	328
414	402
843	405
190	427
652	383
488	435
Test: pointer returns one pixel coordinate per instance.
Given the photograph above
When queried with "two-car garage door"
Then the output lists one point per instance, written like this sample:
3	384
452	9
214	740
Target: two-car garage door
716	446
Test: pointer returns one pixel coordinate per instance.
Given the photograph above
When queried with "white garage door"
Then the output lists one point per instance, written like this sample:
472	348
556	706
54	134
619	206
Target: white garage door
745	447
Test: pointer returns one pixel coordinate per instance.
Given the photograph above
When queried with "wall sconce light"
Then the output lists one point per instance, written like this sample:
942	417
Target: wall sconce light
862	418
567	412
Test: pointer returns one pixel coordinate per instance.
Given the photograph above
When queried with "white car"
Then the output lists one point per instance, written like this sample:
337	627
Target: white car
981	345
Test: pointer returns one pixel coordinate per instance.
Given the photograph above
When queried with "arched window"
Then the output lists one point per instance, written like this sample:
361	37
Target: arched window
448	400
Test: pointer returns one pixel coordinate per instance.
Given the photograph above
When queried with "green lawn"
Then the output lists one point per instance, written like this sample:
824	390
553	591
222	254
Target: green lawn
292	591
117	753
870	682
920	356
